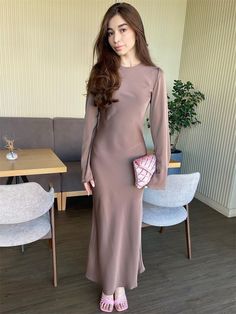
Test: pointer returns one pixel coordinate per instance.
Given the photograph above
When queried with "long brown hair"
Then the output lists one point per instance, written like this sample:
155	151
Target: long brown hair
104	77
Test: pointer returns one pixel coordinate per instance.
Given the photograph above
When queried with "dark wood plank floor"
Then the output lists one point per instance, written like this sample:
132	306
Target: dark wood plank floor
171	283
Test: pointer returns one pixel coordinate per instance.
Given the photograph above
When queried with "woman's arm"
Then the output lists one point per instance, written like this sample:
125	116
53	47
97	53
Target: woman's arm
91	120
160	131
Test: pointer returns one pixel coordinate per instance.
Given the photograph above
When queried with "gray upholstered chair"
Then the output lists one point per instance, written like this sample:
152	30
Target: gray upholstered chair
27	215
169	207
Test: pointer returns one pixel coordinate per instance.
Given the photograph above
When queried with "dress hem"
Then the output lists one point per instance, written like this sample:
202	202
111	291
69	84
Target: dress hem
120	285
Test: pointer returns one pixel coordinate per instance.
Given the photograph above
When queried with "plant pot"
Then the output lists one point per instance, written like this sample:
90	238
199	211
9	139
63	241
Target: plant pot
178	156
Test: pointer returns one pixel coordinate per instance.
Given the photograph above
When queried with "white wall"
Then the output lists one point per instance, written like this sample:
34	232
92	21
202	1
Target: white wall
164	27
208	60
46	54
46	50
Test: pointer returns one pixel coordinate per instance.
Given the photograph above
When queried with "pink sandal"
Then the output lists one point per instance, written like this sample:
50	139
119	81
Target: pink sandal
121	303
106	301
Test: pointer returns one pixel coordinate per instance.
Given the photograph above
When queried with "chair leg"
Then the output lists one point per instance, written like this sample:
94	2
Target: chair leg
187	231
54	259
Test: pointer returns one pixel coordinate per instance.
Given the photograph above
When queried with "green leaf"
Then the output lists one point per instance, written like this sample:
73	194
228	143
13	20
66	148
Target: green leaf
182	106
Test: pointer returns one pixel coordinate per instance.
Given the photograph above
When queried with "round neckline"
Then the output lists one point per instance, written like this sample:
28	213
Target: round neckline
134	66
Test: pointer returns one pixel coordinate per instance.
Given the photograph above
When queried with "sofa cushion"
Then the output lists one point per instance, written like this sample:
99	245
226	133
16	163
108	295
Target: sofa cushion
71	180
68	138
45	179
27	132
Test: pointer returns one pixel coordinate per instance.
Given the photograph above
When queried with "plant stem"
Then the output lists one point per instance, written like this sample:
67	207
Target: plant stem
176	140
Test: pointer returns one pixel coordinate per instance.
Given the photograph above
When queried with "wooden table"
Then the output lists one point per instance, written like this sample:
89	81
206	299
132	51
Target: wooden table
174	164
33	161
30	162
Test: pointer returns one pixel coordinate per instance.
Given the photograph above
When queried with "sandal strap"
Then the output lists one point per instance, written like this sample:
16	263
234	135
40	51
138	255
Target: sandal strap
121	304
107	300
121	299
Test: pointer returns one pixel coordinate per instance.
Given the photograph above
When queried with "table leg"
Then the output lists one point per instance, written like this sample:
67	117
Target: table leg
24	179
9	180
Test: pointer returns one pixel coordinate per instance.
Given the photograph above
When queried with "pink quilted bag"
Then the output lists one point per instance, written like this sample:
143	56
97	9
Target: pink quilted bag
144	167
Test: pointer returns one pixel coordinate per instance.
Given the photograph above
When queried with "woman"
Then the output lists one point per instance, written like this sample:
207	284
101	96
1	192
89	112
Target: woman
122	84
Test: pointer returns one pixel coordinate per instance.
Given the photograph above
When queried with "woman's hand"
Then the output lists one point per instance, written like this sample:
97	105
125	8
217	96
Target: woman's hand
88	186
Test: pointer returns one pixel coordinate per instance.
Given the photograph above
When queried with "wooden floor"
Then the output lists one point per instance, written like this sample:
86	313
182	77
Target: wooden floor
171	283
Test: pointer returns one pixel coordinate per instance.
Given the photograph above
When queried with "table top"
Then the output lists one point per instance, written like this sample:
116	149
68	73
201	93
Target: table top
30	162
38	161
174	164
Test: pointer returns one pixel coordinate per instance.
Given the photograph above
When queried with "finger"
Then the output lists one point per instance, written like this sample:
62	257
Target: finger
92	183
87	188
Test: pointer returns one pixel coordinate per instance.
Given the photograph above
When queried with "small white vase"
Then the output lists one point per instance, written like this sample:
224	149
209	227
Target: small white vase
11	156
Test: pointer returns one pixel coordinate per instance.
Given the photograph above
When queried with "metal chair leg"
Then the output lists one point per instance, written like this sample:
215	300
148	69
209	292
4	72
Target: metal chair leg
54	260
188	237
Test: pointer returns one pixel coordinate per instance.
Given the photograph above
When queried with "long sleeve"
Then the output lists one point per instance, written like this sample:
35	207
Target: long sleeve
91	120
160	131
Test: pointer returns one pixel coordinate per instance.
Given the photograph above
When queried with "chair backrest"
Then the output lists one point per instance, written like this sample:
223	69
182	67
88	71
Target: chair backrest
23	202
27	132
180	190
68	134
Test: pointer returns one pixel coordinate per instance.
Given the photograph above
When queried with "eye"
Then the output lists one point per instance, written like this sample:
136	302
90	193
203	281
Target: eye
109	34
122	30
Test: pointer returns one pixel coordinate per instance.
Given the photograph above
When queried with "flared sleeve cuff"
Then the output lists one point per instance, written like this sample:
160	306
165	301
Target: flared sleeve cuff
90	125
160	131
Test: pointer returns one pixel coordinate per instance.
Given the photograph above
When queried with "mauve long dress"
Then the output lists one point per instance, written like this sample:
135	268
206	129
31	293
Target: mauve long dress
112	139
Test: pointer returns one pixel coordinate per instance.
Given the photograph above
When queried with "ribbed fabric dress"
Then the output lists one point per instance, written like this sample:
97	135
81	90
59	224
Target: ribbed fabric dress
112	139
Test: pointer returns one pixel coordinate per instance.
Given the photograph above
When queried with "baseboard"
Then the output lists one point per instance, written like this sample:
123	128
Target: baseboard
232	212
218	207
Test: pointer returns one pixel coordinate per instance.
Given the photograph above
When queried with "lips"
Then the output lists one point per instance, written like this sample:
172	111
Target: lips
118	48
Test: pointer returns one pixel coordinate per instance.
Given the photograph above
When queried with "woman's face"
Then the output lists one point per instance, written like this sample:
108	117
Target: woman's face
121	36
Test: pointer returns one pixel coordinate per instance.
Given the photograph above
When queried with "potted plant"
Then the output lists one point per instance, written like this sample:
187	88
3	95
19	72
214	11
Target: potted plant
182	112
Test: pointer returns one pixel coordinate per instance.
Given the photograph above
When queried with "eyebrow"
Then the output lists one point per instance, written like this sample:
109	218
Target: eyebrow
119	26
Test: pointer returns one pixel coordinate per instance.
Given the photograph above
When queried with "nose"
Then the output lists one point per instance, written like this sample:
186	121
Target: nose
116	37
